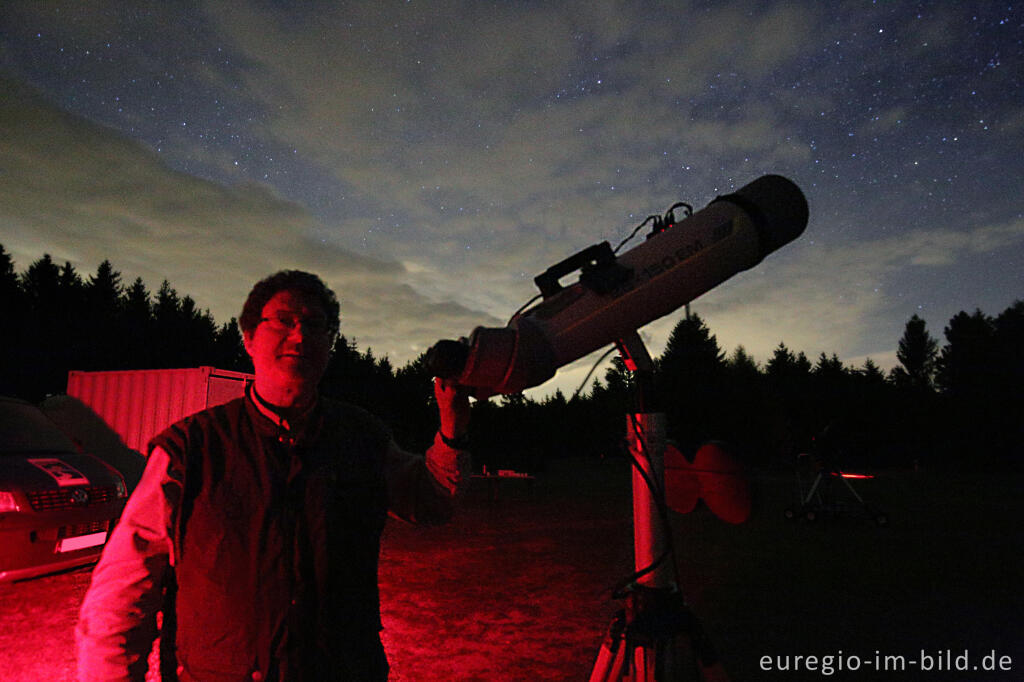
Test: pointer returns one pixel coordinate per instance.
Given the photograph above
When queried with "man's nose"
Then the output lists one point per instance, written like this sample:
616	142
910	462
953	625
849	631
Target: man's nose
299	331
304	329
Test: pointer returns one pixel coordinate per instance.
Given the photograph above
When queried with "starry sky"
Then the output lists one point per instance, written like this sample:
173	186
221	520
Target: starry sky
428	159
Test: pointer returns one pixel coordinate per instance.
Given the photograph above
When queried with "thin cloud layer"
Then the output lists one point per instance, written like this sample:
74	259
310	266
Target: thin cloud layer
431	158
95	195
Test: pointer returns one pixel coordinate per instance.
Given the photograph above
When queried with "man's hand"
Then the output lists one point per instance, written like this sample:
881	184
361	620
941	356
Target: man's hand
453	407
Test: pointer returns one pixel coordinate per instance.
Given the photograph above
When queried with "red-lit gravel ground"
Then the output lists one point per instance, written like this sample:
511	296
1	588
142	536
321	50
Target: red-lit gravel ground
513	590
517	589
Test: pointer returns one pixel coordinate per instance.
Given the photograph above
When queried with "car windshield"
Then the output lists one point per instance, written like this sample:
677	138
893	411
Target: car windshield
24	428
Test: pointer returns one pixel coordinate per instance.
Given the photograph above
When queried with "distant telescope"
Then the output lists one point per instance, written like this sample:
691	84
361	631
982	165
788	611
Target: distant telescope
616	295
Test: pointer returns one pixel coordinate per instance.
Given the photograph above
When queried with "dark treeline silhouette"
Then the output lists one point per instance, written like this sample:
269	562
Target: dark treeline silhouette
55	320
955	405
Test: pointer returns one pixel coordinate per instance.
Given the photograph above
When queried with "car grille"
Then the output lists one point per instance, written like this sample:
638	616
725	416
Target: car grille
83	529
49	500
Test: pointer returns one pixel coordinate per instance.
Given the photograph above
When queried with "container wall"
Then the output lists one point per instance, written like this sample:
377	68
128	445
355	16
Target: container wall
138	404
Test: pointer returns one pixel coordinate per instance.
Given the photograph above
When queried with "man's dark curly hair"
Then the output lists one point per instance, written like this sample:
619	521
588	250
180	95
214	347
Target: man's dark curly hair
305	283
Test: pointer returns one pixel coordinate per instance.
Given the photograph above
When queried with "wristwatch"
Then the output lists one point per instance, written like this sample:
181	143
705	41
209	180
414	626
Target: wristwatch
457	443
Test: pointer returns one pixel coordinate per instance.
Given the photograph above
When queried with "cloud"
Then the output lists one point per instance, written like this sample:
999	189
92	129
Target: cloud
424	116
84	193
840	298
432	170
417	122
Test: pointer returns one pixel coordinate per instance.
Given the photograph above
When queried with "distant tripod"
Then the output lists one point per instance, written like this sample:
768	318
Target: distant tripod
820	498
655	637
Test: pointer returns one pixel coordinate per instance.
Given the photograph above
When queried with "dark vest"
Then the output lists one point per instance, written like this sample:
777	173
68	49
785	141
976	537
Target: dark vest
276	545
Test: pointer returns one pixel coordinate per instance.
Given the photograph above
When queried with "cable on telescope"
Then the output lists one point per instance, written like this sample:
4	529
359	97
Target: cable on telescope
524	307
604	356
659	498
635	230
661	223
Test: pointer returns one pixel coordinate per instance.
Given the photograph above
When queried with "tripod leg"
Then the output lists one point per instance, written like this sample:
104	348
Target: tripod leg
849	486
610	662
612	656
644	664
814	487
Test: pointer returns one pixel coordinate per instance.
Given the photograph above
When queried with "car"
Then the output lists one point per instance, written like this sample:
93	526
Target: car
58	504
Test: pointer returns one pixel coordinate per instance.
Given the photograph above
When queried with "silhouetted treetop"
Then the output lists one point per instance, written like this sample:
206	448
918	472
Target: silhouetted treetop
917	354
56	321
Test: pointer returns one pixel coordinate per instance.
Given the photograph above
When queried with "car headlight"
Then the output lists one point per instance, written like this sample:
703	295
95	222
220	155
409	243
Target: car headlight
8	502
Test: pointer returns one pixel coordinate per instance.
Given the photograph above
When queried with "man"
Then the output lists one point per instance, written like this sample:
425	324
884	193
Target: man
256	526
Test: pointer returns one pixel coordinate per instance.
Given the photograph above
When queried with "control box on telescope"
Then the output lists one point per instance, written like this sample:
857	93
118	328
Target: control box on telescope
616	295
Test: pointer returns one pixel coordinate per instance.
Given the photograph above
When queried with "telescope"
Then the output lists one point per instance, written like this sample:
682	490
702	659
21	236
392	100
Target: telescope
615	295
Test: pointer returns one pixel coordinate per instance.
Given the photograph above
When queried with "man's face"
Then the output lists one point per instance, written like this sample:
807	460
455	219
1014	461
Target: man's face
291	346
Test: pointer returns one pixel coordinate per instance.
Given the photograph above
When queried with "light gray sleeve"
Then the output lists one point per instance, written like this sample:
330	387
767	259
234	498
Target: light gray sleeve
422	489
117	621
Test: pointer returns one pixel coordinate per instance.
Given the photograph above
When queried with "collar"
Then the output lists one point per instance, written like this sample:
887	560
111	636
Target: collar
274	414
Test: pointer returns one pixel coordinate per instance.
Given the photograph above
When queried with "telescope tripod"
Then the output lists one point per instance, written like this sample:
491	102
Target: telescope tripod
655	638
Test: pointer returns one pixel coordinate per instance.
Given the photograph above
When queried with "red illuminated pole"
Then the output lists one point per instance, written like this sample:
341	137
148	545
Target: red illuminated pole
646	439
655	637
645	435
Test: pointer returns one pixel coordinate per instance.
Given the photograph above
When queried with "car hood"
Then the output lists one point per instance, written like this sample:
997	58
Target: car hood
53	470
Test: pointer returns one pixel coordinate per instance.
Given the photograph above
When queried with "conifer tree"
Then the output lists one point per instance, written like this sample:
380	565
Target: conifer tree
968	363
917	354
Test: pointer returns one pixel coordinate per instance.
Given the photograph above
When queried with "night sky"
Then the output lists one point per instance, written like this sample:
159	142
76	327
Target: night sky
428	159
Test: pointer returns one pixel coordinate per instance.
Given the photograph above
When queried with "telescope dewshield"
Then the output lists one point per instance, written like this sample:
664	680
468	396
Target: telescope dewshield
776	205
733	233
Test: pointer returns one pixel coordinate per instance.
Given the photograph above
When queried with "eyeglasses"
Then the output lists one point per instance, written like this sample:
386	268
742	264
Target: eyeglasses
285	322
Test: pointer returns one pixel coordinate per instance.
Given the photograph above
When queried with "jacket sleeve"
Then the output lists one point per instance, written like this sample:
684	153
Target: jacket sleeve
423	489
117	623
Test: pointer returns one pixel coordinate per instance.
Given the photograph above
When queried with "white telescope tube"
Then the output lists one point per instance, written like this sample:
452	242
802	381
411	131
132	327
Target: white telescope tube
733	233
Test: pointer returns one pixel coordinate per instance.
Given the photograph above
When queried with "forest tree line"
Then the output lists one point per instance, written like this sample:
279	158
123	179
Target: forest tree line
955	404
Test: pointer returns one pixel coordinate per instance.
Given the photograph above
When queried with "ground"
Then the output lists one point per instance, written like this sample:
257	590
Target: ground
517	588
